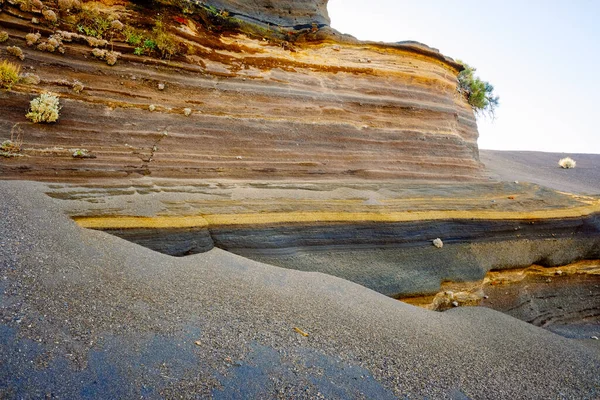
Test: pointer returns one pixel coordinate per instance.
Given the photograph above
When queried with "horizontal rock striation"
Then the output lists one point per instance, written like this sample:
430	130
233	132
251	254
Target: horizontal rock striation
378	235
318	108
561	299
297	13
393	259
381	146
550	298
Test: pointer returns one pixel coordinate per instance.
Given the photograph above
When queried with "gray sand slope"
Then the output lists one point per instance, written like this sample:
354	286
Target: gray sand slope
88	315
543	169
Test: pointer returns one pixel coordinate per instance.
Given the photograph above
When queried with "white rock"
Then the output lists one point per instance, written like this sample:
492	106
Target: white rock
151	107
161	86
455	304
187	112
438	243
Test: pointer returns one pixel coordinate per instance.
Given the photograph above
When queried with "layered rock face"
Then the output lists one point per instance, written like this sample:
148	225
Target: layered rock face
234	106
377	234
252	128
298	13
374	128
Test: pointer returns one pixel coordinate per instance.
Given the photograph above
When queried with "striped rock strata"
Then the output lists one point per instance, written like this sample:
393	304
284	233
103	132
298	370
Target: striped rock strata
303	104
376	234
251	94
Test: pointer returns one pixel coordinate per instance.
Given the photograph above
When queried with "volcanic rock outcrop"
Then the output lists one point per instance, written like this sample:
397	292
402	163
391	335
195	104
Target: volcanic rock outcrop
252	136
378	234
263	93
302	103
291	14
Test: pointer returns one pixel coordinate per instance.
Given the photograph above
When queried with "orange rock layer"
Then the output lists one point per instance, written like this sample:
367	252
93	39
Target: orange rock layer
323	108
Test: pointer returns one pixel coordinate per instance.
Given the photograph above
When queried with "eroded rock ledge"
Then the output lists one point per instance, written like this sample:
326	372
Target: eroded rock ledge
310	104
562	299
377	234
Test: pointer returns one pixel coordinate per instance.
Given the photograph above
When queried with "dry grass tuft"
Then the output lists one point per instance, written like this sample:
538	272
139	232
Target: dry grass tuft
9	74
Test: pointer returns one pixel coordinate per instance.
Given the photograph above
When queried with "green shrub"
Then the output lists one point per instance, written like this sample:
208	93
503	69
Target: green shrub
80	153
165	42
480	94
8	149
150	44
9	74
132	36
44	108
93	23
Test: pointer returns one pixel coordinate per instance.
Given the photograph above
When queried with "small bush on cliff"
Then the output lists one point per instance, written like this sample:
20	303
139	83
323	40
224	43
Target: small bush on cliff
163	40
132	36
480	94
44	108
16	51
567	163
9	74
12	147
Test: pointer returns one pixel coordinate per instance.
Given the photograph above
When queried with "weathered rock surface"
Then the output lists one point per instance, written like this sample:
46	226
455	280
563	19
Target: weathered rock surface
315	108
548	297
296	13
377	234
305	103
562	299
326	155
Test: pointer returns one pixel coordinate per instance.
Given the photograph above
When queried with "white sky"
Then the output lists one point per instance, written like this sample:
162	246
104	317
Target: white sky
543	58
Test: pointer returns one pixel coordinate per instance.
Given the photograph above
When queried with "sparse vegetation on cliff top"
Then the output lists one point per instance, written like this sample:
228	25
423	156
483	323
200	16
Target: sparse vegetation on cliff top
479	93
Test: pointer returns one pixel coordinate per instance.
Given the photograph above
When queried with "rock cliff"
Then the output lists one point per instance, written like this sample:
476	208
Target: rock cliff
348	157
251	136
298	102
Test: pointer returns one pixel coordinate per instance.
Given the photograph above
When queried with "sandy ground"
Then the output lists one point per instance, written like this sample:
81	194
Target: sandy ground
543	169
87	315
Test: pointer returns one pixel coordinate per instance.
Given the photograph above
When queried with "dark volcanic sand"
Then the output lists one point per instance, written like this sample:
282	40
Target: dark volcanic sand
88	315
543	169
